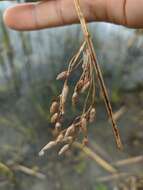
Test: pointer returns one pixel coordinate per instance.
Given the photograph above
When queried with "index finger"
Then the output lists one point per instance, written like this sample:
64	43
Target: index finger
31	16
51	13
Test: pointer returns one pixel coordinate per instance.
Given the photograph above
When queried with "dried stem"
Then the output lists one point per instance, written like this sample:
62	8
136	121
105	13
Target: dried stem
103	163
98	71
87	60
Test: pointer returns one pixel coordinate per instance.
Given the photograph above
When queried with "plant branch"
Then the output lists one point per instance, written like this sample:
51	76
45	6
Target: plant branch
98	72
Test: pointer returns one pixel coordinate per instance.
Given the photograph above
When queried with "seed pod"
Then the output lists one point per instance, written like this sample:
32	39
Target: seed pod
57	129
68	139
74	98
85	141
62	75
70	130
85	59
64	97
54	107
48	146
79	85
85	87
84	126
60	138
65	93
92	115
58	126
64	149
54	118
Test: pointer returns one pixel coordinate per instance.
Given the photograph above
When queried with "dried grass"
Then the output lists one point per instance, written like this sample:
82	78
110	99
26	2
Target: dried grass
87	60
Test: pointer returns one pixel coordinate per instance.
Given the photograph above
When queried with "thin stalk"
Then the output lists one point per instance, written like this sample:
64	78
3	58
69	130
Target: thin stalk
98	72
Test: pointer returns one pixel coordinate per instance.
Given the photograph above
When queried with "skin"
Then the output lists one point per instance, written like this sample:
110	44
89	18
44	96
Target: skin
51	13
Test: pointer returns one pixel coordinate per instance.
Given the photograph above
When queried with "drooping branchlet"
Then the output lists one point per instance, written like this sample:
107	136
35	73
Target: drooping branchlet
90	72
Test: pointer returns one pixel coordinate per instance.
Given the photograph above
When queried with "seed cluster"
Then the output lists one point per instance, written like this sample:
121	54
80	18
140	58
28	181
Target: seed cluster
85	85
85	60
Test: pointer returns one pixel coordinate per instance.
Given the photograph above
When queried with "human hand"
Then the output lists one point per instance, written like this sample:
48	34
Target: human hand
51	13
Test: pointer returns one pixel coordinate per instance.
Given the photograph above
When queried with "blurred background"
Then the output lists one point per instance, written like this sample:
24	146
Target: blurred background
29	64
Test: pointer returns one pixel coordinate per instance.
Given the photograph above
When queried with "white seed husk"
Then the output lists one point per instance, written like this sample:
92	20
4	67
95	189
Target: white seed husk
62	75
92	115
65	92
58	125
64	149
50	145
64	97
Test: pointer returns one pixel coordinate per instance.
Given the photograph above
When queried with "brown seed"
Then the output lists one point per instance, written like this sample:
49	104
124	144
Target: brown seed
85	141
68	139
62	75
70	130
54	107
92	115
64	149
60	138
64	97
58	126
85	87
54	118
46	147
79	85
74	98
84	126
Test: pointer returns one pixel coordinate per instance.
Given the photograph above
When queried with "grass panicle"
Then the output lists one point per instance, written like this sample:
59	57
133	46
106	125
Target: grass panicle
86	59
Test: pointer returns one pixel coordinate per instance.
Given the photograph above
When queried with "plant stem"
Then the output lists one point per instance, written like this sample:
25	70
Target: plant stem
98	72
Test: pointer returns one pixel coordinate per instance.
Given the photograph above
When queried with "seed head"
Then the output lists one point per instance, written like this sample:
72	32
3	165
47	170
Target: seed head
92	115
63	75
84	126
65	93
68	139
74	98
64	149
85	87
70	130
48	146
54	107
58	126
79	85
60	138
64	97
85	59
54	118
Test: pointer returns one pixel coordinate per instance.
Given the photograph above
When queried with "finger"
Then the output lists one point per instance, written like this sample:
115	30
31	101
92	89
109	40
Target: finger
31	16
62	12
125	12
